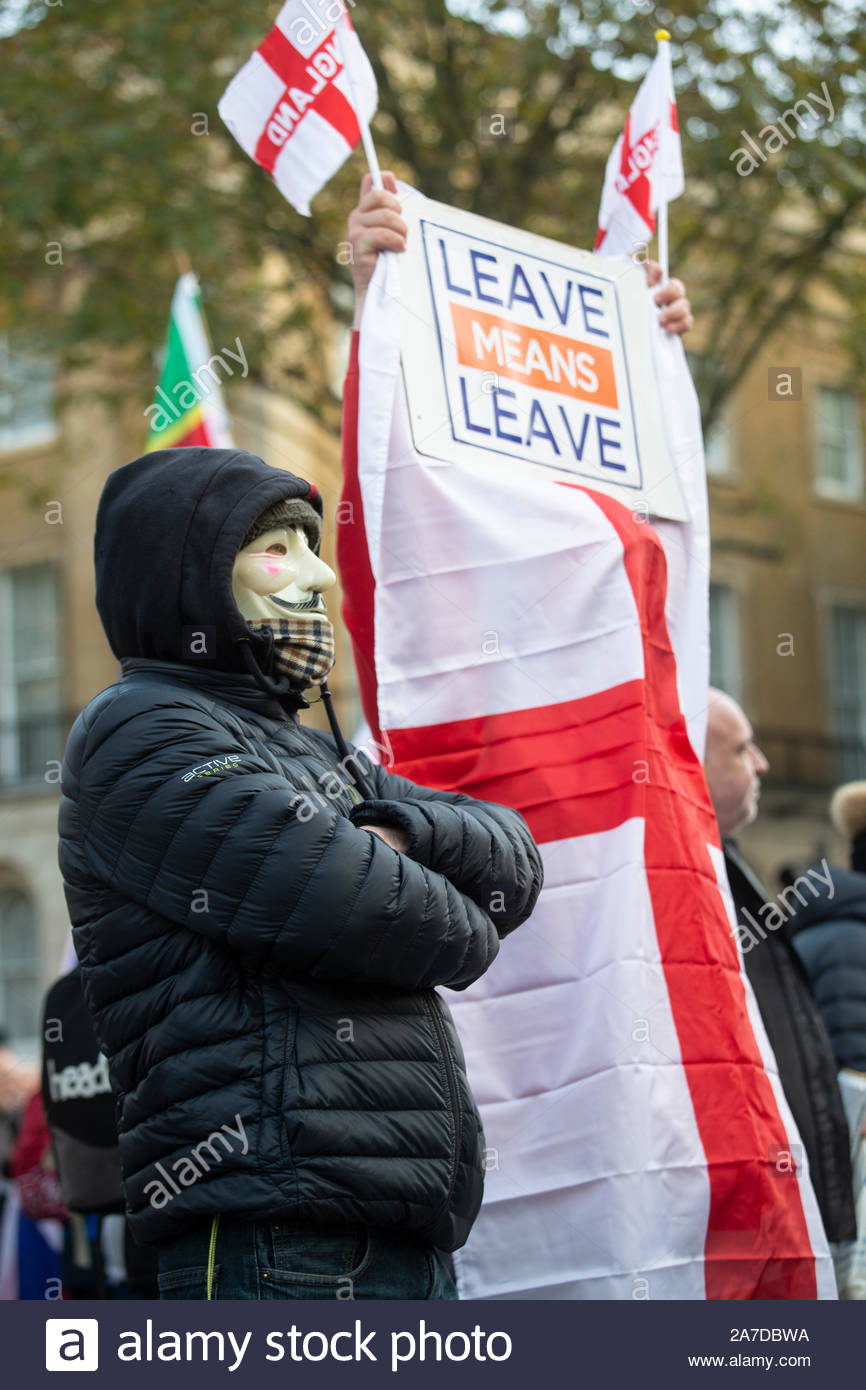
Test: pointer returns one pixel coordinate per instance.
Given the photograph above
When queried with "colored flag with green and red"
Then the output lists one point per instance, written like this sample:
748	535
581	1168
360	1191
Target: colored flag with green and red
188	406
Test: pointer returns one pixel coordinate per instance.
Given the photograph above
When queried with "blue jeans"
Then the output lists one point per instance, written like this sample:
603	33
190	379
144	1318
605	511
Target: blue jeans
286	1259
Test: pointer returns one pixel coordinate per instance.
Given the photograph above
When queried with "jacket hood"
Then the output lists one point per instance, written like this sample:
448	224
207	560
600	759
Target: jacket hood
168	528
848	900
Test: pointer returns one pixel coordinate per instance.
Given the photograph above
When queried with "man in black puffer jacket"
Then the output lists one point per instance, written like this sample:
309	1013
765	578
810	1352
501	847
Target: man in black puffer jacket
830	936
262	923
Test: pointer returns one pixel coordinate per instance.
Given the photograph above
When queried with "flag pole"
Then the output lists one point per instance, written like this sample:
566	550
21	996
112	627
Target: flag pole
664	256
662	36
340	28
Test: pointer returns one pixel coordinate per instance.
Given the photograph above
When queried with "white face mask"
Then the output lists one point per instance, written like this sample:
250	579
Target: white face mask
279	576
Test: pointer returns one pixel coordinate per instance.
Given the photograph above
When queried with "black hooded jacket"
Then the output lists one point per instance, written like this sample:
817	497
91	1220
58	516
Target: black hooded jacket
830	939
260	970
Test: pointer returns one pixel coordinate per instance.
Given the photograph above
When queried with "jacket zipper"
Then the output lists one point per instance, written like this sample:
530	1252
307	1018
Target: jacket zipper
453	1091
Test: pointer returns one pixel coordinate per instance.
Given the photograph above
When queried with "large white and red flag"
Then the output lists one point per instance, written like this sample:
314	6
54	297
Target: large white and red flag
645	167
295	106
540	643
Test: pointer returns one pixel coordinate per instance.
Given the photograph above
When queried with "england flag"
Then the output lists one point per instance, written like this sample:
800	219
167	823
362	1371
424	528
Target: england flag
539	643
294	106
645	168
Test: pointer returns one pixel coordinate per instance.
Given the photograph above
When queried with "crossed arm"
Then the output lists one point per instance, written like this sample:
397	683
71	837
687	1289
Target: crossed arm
246	859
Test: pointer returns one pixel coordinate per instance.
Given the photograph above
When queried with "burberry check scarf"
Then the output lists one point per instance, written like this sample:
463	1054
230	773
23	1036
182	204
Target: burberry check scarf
303	646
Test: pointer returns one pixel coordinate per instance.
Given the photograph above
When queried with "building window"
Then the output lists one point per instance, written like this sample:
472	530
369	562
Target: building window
27	415
839	458
848	689
718	444
20	986
717	447
725	672
31	732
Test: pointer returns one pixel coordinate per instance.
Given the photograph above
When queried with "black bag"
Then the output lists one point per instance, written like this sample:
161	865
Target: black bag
79	1103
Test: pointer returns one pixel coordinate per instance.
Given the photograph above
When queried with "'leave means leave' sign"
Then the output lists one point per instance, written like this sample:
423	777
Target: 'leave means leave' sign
524	352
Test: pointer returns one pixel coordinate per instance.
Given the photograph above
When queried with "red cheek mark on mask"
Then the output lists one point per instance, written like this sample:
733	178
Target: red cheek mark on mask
272	569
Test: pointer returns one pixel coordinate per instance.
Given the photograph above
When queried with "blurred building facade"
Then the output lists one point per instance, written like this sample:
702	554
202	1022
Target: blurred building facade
787	488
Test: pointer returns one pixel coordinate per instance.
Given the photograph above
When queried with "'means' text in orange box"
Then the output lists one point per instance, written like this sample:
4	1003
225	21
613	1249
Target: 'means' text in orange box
545	361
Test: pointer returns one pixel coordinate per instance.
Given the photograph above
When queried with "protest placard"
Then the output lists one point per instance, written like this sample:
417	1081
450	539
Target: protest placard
522	350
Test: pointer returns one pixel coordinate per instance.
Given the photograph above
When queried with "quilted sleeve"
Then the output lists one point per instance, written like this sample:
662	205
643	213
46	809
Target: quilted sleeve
177	818
484	849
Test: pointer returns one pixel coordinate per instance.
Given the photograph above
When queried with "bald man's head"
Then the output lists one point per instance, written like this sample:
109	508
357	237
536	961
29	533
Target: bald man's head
733	764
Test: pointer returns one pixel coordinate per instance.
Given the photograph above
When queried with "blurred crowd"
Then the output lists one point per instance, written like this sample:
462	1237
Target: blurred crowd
63	1233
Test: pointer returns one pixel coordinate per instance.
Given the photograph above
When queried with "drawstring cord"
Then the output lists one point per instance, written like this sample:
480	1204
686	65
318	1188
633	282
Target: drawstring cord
342	746
210	1257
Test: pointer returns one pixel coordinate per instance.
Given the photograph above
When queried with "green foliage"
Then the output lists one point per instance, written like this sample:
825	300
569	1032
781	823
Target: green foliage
97	152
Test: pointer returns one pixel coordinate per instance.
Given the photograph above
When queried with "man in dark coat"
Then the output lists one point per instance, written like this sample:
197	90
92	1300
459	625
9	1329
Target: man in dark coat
262	916
807	1069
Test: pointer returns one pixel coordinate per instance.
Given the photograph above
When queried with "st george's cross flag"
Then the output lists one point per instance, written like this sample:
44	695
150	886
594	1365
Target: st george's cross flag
188	406
527	638
294	106
645	167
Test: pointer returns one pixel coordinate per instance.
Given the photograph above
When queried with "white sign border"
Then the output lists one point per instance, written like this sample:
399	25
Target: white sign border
430	411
